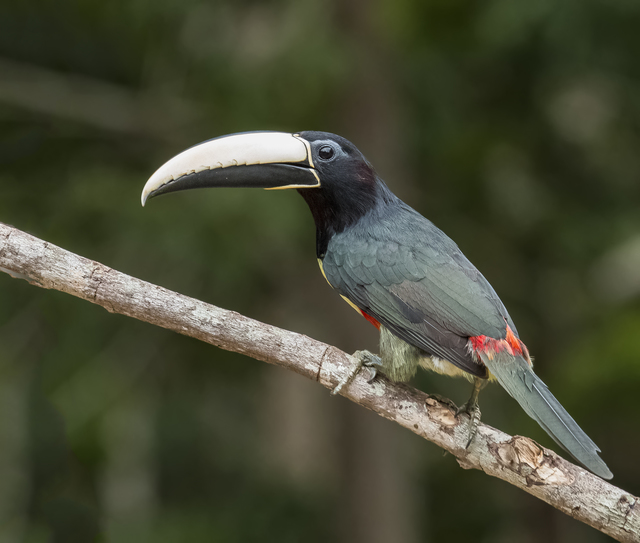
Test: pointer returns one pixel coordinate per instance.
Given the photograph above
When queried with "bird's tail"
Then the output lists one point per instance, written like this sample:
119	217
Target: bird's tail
516	376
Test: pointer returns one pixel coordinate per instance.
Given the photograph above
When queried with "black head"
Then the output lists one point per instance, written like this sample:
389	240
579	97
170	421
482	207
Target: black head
349	187
331	174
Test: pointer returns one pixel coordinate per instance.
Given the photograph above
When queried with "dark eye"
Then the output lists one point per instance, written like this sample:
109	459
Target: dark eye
326	152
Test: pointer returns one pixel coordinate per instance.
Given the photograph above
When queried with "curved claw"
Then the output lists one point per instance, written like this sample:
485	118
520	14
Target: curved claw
363	358
371	361
473	410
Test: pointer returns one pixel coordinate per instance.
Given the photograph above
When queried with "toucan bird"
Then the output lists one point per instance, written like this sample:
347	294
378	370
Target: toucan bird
433	308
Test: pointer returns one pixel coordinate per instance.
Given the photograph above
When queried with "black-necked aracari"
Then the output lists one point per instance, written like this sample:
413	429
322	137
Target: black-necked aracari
432	306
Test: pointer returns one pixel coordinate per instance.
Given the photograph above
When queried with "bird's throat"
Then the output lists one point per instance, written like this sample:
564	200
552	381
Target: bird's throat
329	216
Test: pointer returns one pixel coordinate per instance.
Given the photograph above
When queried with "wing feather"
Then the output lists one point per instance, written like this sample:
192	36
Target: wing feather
415	281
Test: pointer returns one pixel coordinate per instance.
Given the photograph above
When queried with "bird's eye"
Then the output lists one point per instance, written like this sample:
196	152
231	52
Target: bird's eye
326	152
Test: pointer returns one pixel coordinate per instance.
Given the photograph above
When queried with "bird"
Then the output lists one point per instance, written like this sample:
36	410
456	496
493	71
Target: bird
431	305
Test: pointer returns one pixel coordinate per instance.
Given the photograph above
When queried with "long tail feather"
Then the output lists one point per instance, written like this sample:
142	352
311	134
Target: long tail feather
517	378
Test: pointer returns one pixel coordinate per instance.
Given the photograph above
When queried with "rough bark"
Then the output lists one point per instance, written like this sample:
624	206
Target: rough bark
515	459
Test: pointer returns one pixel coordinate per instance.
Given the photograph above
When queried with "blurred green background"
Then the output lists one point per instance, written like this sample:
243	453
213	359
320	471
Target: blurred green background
513	126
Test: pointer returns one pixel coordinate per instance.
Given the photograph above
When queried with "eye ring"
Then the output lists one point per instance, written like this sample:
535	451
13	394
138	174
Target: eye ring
326	152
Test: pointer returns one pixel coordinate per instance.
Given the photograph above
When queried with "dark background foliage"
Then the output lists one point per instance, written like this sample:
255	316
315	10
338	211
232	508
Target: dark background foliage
512	125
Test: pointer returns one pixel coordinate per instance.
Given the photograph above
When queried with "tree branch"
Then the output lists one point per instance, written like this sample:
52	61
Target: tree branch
517	460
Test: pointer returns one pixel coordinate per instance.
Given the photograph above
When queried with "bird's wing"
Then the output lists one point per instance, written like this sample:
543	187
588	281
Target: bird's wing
426	293
432	297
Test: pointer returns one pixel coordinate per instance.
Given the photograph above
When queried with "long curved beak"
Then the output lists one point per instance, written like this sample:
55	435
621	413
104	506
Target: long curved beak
268	160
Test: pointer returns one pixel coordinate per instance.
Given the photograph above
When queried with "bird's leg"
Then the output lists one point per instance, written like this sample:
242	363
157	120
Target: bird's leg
363	358
472	408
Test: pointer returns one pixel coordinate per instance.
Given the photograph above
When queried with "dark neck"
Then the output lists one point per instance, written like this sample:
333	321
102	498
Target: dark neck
333	213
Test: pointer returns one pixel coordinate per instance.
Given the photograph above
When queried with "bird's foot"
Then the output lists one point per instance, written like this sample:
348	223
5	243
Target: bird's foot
368	360
472	409
363	358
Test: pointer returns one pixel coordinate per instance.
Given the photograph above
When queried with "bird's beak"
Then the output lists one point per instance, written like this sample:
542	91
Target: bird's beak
268	160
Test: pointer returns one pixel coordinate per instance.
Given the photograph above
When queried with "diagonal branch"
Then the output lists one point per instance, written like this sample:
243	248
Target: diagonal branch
517	460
